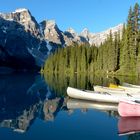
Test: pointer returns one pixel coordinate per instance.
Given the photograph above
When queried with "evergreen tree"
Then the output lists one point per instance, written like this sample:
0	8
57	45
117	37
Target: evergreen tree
83	59
123	48
136	25
131	39
116	49
111	53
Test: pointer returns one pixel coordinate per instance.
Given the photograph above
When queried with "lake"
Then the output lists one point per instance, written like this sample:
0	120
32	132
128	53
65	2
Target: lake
34	107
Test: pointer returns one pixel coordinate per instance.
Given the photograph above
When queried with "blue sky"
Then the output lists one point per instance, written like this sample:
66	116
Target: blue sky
96	15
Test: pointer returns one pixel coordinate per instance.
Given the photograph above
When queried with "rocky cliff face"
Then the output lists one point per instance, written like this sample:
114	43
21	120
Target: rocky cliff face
53	34
98	38
24	17
72	37
22	45
25	44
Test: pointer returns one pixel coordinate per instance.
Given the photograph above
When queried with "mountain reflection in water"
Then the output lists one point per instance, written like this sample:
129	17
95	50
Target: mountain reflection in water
26	97
23	97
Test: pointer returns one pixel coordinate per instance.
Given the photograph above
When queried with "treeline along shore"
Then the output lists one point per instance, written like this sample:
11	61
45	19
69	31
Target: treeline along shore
118	55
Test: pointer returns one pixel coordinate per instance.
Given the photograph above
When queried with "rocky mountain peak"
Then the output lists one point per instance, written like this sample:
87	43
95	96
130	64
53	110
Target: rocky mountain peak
102	36
85	31
71	36
21	10
72	31
98	38
50	23
24	17
21	40
51	31
19	15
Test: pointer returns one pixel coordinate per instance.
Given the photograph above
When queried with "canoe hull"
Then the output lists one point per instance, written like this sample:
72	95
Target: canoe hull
132	90
128	108
131	85
95	96
120	89
79	94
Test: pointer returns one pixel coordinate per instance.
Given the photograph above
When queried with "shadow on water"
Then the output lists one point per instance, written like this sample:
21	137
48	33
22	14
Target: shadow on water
26	97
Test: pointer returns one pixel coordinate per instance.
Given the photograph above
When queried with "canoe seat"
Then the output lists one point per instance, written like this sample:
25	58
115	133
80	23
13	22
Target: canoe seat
113	85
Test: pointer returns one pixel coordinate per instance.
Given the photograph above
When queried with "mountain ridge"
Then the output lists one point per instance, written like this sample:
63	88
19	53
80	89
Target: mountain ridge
20	32
89	37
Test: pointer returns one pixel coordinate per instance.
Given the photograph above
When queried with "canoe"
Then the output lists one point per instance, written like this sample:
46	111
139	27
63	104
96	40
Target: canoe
120	89
130	89
84	104
129	108
98	96
107	89
131	85
128	125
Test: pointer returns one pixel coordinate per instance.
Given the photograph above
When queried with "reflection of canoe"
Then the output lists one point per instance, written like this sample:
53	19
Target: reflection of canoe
129	108
83	104
119	89
95	96
128	125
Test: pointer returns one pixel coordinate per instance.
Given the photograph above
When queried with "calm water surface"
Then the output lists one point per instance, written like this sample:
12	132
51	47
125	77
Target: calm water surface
33	107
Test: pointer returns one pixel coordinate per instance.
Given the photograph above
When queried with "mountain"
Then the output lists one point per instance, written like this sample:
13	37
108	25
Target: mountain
53	34
98	38
73	37
25	43
22	46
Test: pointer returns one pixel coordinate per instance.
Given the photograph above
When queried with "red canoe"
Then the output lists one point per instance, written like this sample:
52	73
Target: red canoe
129	108
128	125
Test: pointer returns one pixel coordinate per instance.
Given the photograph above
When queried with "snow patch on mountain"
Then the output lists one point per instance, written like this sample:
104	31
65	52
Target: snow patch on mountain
21	10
